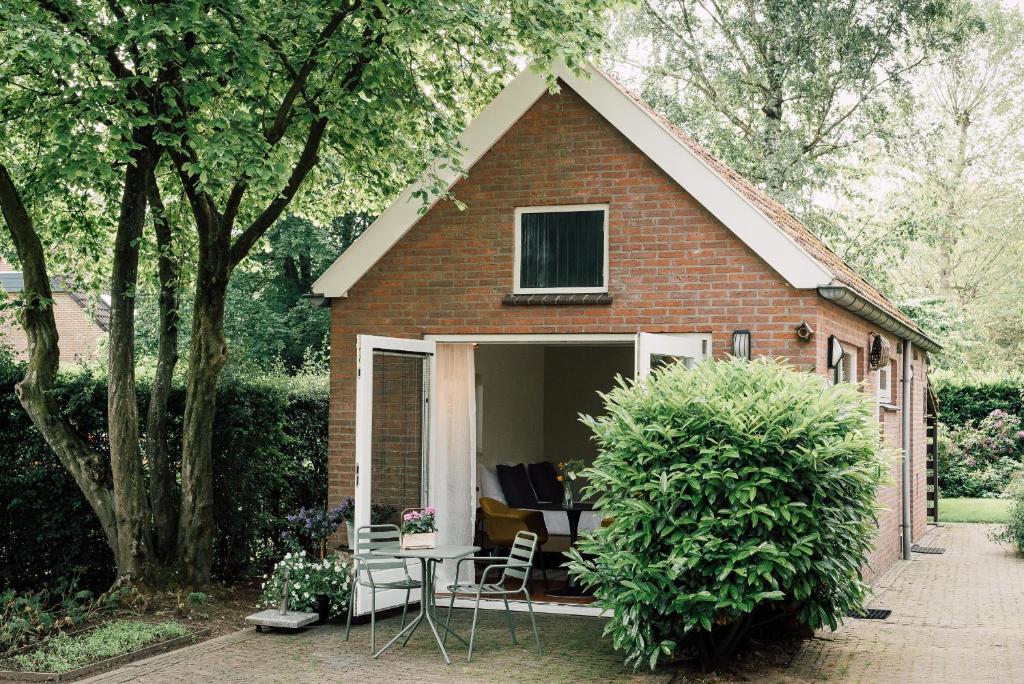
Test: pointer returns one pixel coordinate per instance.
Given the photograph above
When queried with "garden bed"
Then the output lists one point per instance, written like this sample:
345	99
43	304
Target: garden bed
73	655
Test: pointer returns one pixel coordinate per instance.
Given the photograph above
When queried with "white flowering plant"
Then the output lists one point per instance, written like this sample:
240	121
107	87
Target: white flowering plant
308	578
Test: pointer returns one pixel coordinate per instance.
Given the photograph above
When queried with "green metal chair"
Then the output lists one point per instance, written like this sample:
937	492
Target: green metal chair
370	538
515	575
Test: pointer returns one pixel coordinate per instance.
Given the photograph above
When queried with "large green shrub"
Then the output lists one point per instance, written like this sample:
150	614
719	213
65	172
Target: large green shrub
980	459
960	402
740	492
1013	531
270	458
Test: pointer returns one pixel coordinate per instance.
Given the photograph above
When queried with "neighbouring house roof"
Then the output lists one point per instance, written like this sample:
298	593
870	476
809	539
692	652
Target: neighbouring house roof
758	220
14	282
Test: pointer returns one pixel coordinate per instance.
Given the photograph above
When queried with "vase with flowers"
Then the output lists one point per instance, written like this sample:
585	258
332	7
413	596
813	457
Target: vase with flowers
419	528
568	471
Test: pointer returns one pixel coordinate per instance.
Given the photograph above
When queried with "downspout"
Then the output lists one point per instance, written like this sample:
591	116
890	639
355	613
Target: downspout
908	371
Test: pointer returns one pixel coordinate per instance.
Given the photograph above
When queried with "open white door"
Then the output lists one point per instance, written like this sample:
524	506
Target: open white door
394	436
655	350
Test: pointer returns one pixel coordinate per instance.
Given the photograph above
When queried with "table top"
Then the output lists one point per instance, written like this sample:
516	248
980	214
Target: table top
577	506
443	552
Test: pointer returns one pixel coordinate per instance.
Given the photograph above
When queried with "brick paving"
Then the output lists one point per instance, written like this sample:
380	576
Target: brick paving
956	617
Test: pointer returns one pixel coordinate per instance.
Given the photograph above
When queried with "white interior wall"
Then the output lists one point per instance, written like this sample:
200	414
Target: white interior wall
510	397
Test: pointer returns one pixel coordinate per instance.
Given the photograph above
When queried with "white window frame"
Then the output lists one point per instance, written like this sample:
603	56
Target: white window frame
839	373
552	209
884	389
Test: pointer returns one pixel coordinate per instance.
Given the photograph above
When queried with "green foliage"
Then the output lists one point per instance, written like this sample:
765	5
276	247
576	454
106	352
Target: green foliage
783	90
979	459
740	491
306	580
1013	531
269	325
270	457
963	401
65	653
30	616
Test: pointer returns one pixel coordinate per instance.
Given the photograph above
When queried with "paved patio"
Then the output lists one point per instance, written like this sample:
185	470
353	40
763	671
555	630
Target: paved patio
957	616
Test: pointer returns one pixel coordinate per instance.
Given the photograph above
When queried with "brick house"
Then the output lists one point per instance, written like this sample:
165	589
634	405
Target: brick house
596	239
81	328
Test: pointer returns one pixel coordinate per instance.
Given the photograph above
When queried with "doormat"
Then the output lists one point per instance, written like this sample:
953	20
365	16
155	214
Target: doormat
927	549
871	614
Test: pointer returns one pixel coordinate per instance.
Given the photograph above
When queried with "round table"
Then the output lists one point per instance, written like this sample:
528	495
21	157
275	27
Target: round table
428	559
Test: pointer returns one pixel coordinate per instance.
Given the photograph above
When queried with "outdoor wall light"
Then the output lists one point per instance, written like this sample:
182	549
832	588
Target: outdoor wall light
741	344
835	352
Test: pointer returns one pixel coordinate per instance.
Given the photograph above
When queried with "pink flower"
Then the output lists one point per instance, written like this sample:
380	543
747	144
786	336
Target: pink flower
430	510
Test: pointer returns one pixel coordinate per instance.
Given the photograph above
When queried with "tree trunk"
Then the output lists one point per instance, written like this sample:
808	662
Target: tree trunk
952	230
86	466
207	355
161	475
135	550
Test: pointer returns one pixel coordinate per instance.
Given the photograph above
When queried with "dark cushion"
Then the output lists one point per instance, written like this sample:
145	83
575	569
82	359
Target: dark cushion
515	484
544	478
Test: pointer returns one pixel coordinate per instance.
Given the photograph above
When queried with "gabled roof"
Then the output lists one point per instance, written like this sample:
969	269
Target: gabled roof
763	224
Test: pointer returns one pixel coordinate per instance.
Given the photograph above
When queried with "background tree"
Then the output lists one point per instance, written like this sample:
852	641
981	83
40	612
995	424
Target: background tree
268	323
959	175
204	121
781	90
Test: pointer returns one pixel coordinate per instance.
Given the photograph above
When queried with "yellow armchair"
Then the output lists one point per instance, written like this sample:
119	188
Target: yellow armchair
501	523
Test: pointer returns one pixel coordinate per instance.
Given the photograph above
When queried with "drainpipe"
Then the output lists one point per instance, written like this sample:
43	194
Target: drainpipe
908	370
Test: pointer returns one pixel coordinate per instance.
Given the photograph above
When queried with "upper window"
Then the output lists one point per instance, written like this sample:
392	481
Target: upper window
562	249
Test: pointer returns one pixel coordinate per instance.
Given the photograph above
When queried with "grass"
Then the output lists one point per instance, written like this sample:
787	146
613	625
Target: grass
974	510
65	653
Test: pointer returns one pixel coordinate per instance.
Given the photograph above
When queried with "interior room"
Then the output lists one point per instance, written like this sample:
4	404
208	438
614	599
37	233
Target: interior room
528	401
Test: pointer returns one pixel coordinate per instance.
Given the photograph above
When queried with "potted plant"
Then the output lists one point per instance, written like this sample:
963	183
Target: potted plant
419	528
379	515
315	586
311	527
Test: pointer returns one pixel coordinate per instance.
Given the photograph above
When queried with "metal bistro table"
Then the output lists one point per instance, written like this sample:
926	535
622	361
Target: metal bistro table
428	558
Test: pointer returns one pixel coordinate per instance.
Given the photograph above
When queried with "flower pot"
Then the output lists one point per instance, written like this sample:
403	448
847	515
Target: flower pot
323	607
350	531
419	540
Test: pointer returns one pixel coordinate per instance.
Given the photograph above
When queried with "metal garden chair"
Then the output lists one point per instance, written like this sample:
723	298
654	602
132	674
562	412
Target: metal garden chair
371	538
514	576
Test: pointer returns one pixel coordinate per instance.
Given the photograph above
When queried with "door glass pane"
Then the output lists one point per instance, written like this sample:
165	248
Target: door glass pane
662	360
399	438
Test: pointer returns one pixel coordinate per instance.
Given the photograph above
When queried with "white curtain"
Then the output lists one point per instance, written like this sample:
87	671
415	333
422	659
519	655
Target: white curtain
453	465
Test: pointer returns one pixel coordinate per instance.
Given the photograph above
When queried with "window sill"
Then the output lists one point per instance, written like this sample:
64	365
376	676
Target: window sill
559	299
889	407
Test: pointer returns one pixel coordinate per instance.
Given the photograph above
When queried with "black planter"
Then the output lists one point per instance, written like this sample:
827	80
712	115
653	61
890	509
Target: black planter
323	607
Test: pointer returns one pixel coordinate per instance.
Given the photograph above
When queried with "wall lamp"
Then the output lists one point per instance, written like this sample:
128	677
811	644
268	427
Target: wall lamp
741	344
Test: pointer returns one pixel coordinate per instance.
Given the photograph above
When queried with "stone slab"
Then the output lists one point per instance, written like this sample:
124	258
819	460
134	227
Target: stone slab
273	617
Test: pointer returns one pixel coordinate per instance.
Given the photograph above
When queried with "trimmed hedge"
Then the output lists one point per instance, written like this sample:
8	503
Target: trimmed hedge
270	458
960	402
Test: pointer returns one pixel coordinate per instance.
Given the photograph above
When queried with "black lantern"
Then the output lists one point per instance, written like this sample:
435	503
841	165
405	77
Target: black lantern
741	344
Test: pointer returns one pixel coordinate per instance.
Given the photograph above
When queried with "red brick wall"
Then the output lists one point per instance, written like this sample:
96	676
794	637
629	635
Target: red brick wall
79	336
854	332
673	267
